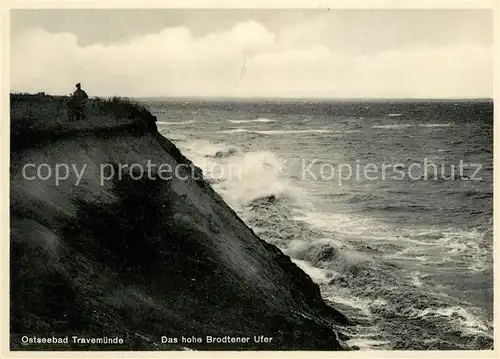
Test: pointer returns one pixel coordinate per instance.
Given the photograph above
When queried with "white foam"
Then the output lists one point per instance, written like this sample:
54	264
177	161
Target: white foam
400	126
461	242
433	246
188	122
439	246
318	275
297	247
263	120
436	125
393	126
284	132
361	305
416	279
244	176
276	132
464	318
348	224
235	130
367	343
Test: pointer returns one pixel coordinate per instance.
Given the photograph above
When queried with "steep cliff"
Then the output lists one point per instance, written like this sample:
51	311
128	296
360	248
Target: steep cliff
107	249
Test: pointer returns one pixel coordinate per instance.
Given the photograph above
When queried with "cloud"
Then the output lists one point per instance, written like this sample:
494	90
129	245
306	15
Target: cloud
247	60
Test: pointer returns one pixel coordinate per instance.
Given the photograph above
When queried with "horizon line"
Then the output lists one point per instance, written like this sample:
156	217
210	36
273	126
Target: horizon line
214	97
340	99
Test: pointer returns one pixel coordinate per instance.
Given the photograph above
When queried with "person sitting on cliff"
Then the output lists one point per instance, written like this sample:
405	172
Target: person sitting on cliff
77	102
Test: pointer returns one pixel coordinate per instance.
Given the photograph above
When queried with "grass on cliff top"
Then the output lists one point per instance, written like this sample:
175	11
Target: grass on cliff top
40	112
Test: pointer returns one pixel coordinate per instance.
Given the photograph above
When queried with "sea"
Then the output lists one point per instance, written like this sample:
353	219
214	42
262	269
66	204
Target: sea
387	205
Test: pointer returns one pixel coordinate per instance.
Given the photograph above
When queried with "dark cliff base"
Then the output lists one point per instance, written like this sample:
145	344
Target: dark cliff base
141	258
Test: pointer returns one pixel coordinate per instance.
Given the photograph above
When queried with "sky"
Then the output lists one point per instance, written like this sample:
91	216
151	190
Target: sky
254	53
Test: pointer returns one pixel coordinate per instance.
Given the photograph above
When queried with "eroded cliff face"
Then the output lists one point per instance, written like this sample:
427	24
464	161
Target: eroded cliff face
142	257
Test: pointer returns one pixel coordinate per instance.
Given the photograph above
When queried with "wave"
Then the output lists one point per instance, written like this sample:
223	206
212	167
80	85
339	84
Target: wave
417	246
235	130
263	120
437	246
343	223
259	176
284	132
464	318
364	342
276	132
318	275
358	279
393	126
353	198
241	177
167	123
202	151
361	269
230	151
478	194
394	114
436	125
416	278
398	126
326	253
372	289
